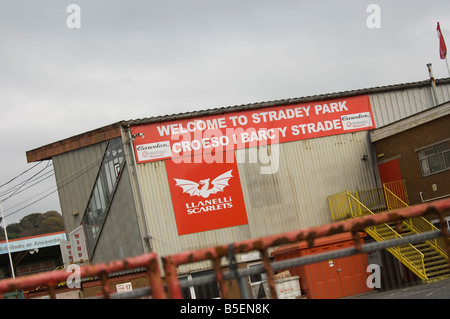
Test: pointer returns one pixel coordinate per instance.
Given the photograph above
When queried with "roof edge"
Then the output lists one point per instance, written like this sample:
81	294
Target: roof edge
114	130
310	98
101	134
410	122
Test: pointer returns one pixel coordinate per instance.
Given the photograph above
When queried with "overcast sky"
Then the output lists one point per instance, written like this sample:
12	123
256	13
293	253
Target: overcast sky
135	59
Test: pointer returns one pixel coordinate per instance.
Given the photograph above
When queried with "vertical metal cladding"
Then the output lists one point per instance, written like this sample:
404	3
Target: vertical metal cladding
161	219
75	175
391	106
296	195
443	91
293	197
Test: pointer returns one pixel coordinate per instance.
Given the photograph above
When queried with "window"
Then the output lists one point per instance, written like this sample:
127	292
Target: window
103	191
437	223
208	290
257	278
185	290
258	282
435	158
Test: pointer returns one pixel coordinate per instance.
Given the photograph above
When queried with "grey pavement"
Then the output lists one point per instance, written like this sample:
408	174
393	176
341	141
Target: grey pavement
433	290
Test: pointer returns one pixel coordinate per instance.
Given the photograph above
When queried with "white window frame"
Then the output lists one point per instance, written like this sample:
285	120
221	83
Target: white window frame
255	285
424	159
191	289
437	224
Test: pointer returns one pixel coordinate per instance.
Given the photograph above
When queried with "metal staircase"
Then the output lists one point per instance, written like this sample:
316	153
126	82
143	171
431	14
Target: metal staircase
428	259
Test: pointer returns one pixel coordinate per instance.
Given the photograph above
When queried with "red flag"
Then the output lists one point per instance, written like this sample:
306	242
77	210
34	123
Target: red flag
442	46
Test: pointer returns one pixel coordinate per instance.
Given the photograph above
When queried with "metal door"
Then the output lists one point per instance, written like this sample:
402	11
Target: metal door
324	279
351	271
337	278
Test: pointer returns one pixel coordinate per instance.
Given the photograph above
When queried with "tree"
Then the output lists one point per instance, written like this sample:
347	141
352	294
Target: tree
34	224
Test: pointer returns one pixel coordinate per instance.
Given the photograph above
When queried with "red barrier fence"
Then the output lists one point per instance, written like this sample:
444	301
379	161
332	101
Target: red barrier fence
170	287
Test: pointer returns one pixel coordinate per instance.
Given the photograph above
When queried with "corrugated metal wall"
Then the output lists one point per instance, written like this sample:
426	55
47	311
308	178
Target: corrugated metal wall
294	197
75	174
121	236
443	93
161	219
391	106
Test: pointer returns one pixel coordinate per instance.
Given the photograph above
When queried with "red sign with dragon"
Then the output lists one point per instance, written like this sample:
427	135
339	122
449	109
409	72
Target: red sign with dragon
205	197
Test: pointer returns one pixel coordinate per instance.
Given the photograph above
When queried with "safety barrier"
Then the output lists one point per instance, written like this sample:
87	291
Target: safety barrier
397	197
396	194
407	253
390	196
171	287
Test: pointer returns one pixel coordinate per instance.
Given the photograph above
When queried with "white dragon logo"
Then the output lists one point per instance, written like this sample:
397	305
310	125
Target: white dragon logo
192	188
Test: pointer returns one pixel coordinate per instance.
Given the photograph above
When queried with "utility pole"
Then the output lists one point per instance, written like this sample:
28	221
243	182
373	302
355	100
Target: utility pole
7	242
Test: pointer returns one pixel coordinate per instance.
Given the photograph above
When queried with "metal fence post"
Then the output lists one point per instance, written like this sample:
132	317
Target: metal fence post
173	285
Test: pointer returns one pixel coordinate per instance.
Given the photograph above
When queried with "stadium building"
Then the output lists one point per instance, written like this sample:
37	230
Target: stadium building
187	181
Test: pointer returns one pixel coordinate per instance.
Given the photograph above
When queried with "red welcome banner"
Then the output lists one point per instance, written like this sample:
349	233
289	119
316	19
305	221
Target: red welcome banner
242	129
205	197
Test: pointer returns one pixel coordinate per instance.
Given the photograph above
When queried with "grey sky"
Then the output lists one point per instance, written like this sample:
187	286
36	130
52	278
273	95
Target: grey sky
135	59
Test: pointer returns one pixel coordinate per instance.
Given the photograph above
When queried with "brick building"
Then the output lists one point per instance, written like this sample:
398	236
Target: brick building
417	149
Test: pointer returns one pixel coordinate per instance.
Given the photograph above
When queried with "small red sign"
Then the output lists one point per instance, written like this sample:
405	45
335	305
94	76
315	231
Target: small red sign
205	196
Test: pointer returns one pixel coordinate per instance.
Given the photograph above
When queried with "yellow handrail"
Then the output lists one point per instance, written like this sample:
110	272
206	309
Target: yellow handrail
408	253
391	195
398	189
421	224
339	206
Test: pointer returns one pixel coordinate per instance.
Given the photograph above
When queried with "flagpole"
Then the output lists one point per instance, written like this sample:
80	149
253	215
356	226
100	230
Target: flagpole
448	70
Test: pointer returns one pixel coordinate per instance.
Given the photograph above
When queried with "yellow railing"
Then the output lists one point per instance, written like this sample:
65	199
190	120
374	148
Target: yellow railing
395	194
340	206
419	224
390	196
373	199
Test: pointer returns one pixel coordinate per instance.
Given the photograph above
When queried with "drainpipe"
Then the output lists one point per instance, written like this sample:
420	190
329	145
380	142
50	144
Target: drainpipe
147	236
433	85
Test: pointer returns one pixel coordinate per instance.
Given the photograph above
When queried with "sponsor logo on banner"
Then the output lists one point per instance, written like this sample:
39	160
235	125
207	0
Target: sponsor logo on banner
205	196
356	121
153	151
202	188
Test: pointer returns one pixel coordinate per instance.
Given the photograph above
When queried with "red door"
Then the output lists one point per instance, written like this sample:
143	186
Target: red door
390	171
352	271
337	278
